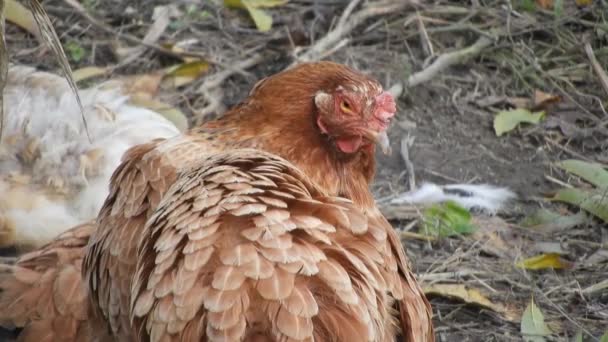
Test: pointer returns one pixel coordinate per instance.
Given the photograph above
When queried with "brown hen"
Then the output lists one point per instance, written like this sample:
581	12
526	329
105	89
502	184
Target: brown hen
207	237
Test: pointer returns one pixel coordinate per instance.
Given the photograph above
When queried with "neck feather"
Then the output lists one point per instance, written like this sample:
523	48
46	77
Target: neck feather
297	138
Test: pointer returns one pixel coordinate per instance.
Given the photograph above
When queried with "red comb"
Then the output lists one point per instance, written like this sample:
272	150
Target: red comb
386	106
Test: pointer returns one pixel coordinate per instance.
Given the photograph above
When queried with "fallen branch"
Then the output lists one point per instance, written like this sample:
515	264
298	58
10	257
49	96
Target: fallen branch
334	39
448	59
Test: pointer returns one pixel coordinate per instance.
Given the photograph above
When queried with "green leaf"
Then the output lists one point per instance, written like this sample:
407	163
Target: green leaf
604	337
558	8
506	121
75	51
533	327
578	337
447	219
545	218
591	172
526	5
593	201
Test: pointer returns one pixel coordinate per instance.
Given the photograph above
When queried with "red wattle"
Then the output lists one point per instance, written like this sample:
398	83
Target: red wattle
350	144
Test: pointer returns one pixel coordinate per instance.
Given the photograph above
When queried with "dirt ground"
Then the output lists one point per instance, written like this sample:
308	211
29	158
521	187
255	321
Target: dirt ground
450	116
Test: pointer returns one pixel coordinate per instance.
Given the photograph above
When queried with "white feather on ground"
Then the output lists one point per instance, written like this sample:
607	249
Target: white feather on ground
51	176
486	198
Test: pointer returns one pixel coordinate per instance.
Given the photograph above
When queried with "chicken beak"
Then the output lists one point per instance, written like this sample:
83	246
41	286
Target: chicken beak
379	138
384	143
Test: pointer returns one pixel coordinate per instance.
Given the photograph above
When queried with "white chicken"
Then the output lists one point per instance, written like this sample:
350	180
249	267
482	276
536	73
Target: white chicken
51	176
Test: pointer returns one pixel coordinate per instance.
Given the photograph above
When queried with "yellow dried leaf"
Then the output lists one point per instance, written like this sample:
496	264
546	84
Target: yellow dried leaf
583	2
263	21
469	296
89	72
544	261
184	74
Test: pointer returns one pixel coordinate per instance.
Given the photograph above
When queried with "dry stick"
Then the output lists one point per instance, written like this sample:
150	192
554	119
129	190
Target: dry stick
601	73
448	59
3	67
345	25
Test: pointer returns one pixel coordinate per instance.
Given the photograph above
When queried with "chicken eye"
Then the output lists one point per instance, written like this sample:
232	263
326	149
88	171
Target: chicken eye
345	107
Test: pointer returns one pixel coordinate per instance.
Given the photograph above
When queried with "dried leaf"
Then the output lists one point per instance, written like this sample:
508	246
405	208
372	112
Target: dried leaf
89	72
21	16
543	100
184	74
533	327
591	172
263	21
544	261
506	121
469	296
583	3
593	201
148	84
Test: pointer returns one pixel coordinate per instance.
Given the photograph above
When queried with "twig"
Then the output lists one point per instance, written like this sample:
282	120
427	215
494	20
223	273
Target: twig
211	91
398	211
327	45
448	275
425	41
601	286
448	59
406	142
601	73
557	181
417	236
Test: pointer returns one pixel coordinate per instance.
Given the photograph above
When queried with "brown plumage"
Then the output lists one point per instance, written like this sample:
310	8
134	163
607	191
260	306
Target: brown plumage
43	291
207	237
